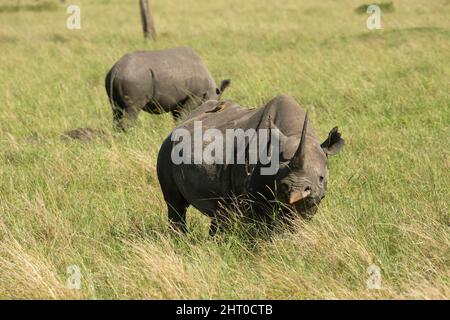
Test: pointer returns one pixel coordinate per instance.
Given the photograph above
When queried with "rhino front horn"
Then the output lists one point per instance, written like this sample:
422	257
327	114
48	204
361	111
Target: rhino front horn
298	160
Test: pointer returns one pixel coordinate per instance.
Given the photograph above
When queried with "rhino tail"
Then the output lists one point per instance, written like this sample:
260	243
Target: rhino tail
152	87
110	85
153	82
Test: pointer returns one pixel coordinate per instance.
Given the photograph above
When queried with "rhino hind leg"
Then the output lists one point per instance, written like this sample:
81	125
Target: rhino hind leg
130	117
176	207
177	214
125	113
176	203
117	116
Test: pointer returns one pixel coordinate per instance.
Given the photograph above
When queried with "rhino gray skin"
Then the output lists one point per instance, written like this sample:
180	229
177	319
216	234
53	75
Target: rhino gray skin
172	80
299	185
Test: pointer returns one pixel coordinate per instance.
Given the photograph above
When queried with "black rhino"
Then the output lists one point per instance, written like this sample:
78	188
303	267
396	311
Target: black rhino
173	80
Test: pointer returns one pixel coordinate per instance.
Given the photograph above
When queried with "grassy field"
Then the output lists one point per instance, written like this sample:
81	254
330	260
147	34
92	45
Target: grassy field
98	205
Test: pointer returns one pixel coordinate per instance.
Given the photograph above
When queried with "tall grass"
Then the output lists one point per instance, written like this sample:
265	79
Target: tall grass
98	205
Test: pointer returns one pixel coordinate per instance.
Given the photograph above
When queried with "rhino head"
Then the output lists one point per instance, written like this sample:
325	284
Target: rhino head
301	183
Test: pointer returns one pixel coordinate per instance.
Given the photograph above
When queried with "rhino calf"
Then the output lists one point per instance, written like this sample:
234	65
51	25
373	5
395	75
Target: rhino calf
296	187
172	80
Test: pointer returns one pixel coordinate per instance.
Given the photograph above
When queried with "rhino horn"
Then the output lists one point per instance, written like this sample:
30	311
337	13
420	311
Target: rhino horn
298	160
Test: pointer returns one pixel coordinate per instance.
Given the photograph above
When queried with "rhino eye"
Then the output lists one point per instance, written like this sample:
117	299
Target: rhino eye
217	91
321	179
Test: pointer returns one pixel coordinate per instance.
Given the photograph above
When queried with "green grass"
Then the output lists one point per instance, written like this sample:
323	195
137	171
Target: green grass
98	205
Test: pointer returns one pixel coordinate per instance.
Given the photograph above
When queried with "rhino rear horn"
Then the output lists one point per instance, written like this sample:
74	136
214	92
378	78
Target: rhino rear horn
298	160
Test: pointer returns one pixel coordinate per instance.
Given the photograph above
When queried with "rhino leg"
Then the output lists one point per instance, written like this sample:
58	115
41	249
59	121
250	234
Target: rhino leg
218	226
130	113
220	223
213	227
117	117
125	114
130	117
177	214
185	107
176	206
176	203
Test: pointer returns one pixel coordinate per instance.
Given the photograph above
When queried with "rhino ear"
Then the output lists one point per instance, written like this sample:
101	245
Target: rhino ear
224	84
334	143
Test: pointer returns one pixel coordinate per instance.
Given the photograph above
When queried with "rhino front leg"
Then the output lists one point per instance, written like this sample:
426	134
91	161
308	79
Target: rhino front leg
176	114
186	107
220	223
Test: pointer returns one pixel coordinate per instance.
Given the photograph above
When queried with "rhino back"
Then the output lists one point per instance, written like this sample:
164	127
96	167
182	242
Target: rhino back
170	75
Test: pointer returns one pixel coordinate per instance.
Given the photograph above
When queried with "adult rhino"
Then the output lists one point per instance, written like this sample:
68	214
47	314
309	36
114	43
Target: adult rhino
299	184
172	80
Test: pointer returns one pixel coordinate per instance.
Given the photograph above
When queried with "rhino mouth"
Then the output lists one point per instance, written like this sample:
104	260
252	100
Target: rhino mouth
306	208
